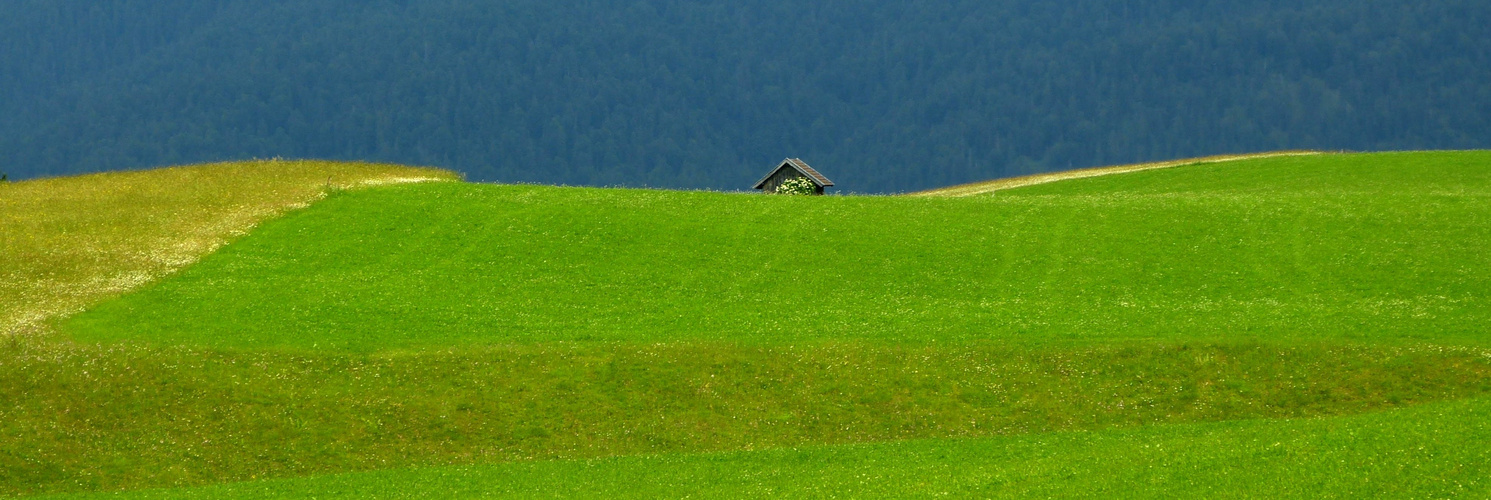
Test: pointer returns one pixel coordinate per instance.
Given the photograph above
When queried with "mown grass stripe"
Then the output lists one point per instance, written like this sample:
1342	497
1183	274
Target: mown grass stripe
1422	452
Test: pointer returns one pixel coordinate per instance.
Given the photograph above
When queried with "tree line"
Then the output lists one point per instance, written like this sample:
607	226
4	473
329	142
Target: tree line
881	96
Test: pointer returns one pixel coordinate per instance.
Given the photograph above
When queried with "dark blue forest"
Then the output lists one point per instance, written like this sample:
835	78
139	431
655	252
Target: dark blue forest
882	96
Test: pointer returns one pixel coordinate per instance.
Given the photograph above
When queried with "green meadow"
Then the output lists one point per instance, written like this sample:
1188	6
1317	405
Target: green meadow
1362	248
1423	452
1314	324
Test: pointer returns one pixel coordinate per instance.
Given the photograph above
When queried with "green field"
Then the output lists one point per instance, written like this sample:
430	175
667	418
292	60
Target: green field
1314	323
66	243
1362	248
1423	452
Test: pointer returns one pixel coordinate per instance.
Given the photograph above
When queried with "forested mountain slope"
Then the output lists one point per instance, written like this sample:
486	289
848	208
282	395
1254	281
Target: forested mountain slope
882	96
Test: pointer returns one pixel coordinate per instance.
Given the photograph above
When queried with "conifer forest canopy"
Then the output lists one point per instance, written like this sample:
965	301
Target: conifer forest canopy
880	95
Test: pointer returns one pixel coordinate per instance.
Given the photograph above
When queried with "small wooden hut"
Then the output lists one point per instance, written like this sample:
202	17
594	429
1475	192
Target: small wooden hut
792	168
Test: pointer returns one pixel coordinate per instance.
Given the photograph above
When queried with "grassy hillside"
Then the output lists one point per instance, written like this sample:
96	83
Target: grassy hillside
1359	247
444	324
989	187
69	242
124	418
1414	453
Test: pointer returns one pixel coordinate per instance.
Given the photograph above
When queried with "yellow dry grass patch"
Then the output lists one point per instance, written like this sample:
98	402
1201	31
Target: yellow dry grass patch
986	187
69	242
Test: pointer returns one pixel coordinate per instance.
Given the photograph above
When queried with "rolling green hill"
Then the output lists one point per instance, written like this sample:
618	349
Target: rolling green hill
404	327
1366	248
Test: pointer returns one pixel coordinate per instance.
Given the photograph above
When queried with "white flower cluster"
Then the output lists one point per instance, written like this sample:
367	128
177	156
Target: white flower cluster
798	186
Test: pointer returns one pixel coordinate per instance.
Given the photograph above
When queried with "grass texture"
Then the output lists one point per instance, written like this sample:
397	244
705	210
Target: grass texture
1421	452
113	418
439	324
66	243
989	187
1390	247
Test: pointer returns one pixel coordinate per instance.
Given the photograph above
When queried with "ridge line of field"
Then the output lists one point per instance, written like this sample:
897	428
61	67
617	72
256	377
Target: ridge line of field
985	187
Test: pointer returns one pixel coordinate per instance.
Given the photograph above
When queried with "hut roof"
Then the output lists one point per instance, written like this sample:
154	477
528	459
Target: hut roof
800	166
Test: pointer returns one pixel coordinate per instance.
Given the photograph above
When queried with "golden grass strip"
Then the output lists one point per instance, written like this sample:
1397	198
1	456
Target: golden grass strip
69	242
986	187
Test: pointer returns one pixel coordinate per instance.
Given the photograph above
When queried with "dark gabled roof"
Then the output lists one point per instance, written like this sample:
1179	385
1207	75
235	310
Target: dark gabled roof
801	167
